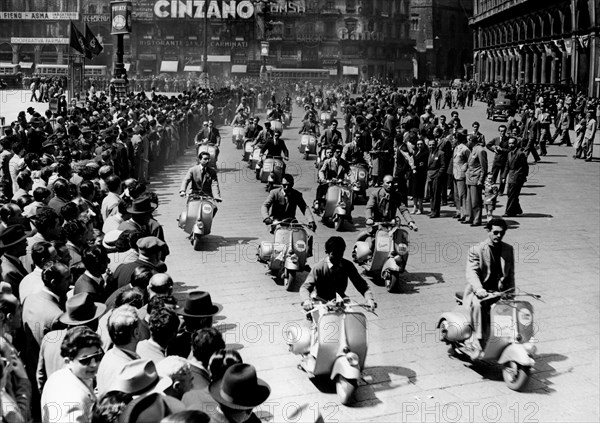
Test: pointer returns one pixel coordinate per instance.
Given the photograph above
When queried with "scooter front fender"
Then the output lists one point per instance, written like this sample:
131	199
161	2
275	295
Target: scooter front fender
390	265
298	339
516	353
290	265
197	231
340	211
343	367
458	325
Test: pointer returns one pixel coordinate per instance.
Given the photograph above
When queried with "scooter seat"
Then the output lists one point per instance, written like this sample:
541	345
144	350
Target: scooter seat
459	294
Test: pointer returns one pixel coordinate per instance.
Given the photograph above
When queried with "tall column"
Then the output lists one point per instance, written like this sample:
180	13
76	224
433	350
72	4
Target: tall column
574	59
536	66
516	64
553	60
544	58
521	77
502	66
493	68
527	66
509	69
564	71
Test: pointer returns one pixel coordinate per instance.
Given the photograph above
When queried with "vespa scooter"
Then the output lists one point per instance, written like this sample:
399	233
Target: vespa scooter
325	119
248	149
338	204
276	126
211	149
308	145
238	133
384	258
196	220
341	353
287	254
287	118
508	335
359	178
271	172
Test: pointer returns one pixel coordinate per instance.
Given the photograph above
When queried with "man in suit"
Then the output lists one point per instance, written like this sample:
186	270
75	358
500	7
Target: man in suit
95	259
531	133
499	145
436	171
13	244
460	160
331	136
210	133
587	145
283	202
477	168
490	268
562	128
203	179
515	174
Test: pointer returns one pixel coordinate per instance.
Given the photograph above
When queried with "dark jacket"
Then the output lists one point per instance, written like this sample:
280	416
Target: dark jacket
279	206
516	169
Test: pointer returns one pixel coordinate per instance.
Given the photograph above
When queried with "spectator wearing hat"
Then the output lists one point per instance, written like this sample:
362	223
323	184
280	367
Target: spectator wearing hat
139	378
81	310
460	158
238	393
163	325
120	215
197	313
141	217
150	252
152	408
95	261
68	395
205	343
179	371
13	245
124	331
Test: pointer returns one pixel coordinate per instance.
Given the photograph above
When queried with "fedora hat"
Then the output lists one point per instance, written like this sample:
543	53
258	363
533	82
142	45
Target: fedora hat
151	408
81	309
12	236
143	204
139	377
199	304
239	388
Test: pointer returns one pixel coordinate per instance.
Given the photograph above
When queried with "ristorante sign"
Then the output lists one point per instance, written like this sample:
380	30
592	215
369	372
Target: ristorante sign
196	9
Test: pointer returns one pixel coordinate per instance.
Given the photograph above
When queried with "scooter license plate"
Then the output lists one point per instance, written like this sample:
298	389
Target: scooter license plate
304	141
504	326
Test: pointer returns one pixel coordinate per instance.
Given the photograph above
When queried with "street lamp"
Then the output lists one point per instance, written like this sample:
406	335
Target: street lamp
120	12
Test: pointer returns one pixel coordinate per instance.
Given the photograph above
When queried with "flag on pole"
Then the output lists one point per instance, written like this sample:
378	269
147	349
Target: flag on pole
78	42
94	46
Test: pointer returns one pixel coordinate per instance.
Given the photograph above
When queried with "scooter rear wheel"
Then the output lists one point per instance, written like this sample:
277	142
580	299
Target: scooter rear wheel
338	223
392	283
515	375
345	389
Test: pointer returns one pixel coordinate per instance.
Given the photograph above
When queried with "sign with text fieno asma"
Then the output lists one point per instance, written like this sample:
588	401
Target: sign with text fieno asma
196	9
39	16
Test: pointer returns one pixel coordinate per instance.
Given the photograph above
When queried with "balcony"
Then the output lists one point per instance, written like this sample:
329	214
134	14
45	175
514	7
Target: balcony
501	7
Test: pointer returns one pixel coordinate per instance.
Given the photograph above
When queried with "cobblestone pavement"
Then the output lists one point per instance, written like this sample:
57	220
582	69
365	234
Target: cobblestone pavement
409	375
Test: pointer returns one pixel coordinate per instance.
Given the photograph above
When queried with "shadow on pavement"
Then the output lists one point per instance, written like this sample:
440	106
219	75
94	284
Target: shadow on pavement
534	186
535	215
214	242
378	379
540	379
411	282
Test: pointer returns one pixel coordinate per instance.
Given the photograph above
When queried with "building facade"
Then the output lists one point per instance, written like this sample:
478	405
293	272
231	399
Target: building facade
444	41
531	42
347	37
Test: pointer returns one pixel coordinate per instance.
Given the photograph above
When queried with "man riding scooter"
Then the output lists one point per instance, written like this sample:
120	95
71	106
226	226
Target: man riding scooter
331	137
334	167
203	180
490	269
328	278
310	126
274	147
381	207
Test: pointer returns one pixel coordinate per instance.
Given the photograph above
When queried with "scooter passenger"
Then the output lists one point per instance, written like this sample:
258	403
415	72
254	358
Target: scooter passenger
263	136
490	269
352	152
254	129
334	167
381	207
330	137
203	180
239	119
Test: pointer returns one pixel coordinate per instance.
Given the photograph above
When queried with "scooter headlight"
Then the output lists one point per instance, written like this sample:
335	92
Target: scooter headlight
294	258
200	225
352	359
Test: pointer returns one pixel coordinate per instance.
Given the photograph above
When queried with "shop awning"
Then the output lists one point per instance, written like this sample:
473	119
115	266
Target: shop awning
350	70
239	68
224	58
192	68
333	72
26	65
168	66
